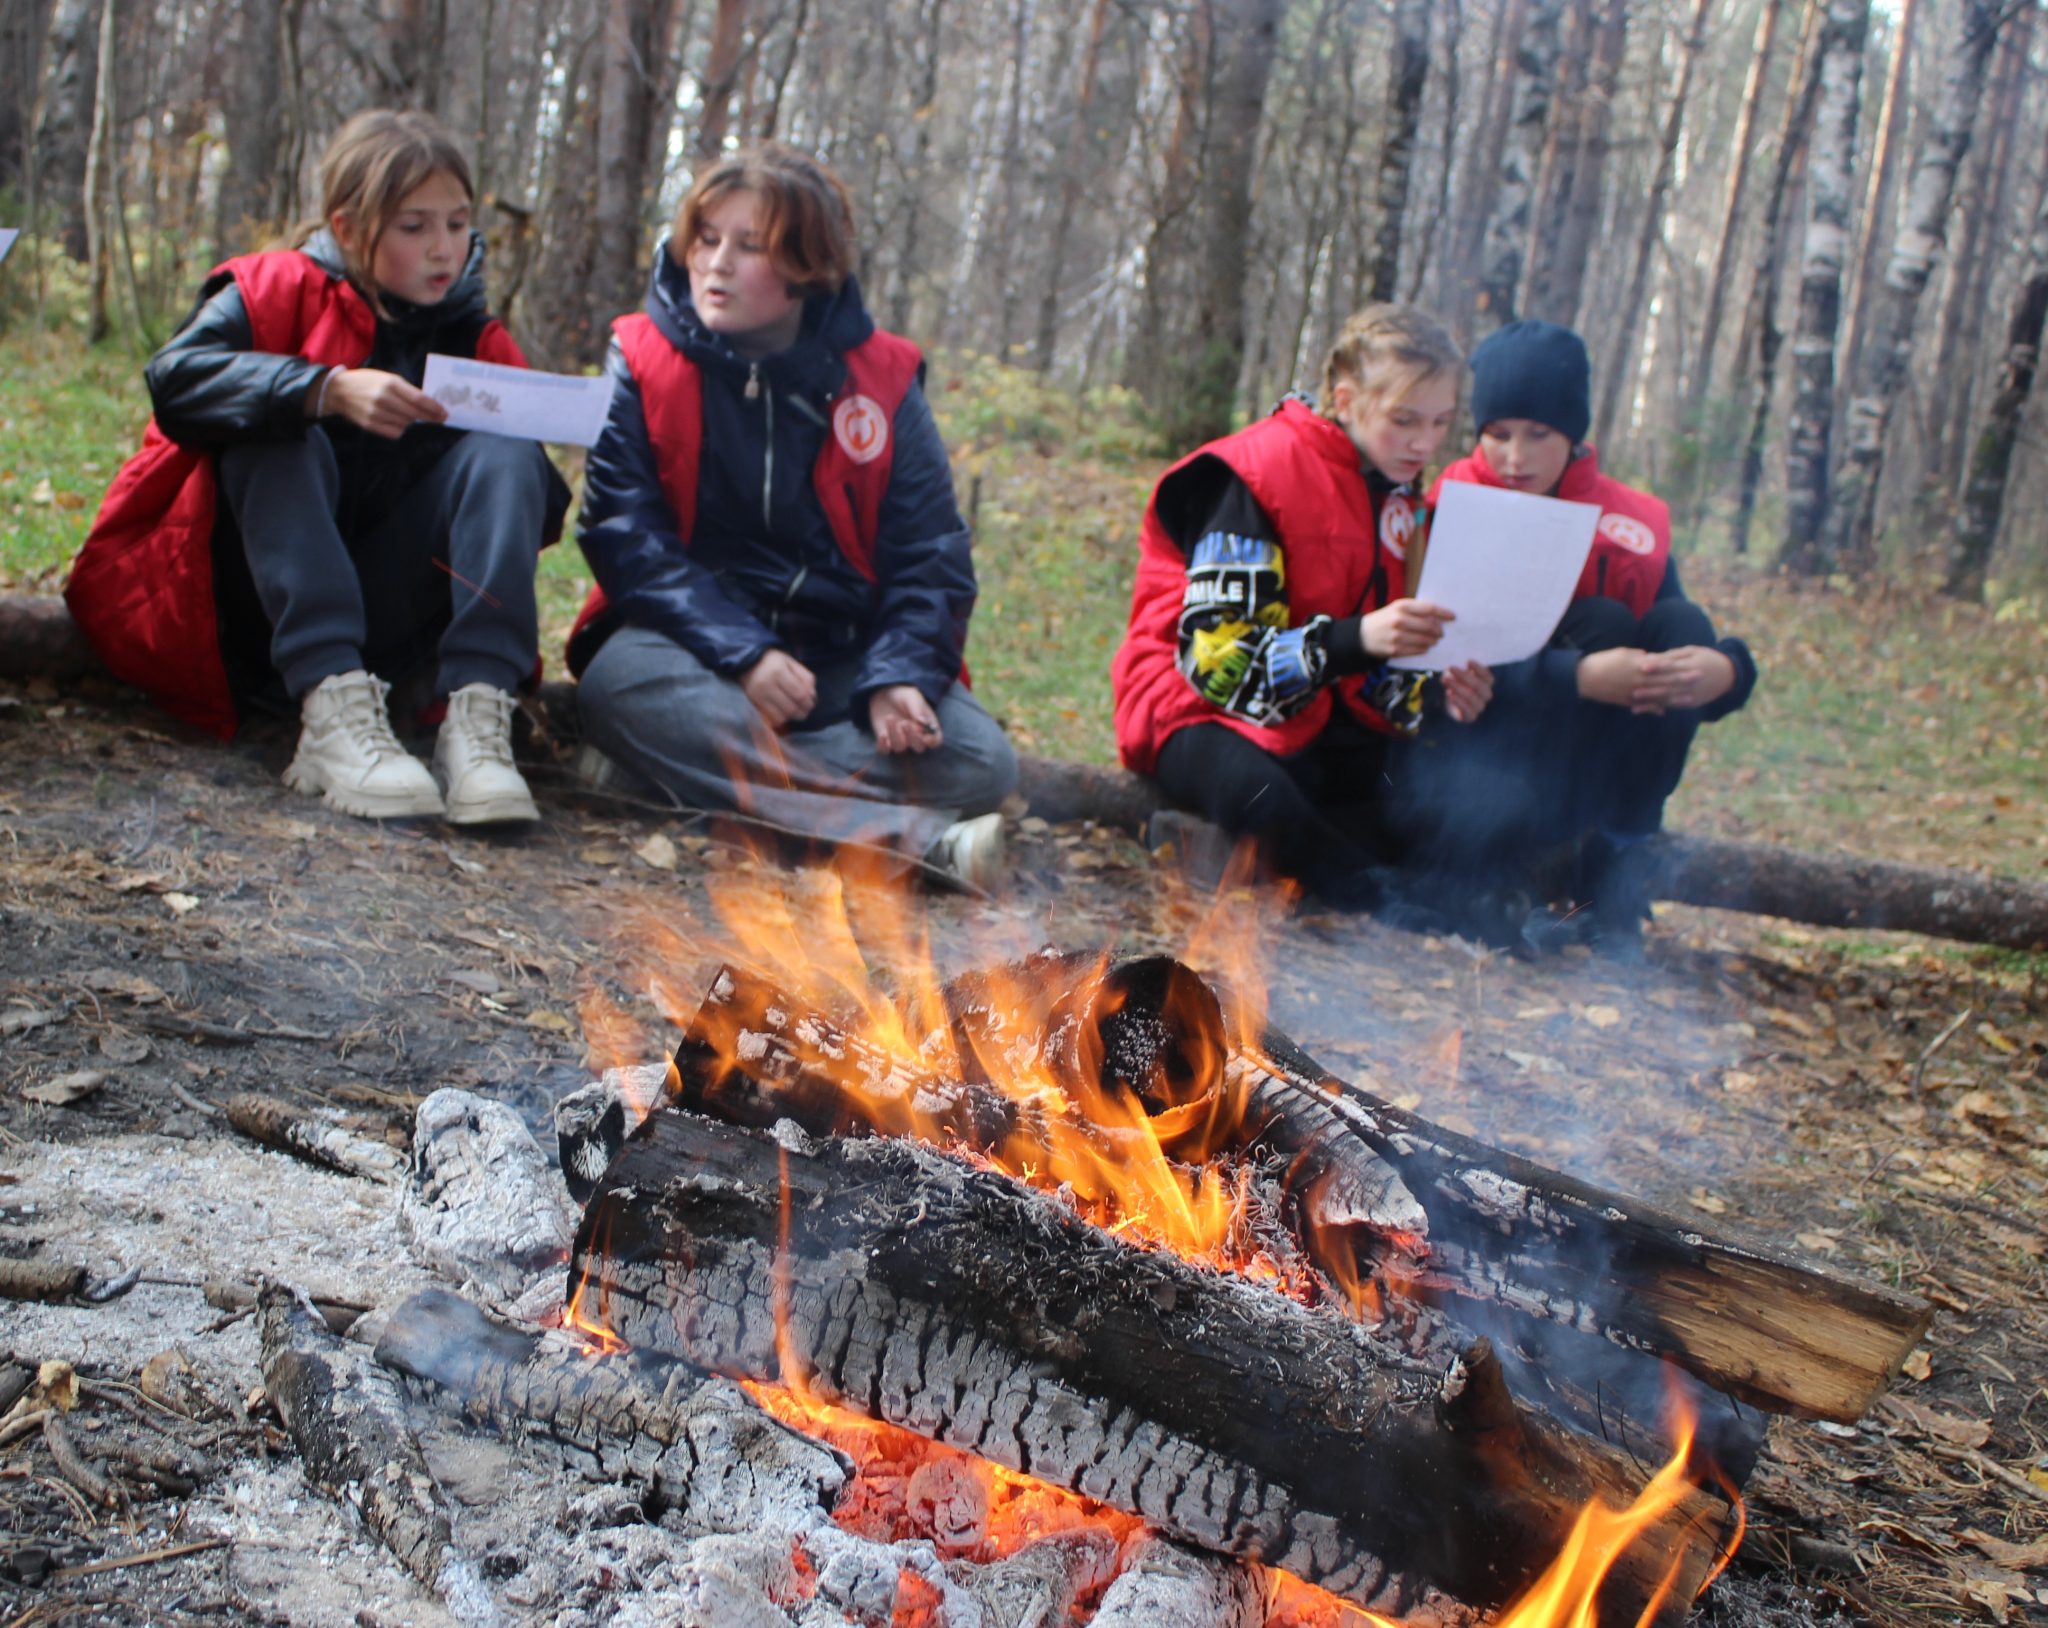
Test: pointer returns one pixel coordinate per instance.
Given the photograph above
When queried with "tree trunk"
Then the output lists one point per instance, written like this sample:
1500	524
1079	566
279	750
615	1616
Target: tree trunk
24	24
1618	379
416	49
627	83
1882	364
1894	115
1058	275
917	184
1557	282
721	74
99	162
1830	172
1192	351
1479	172
247	213
64	129
1407	78
886	1277
1983	510
1731	208
1507	225
1769	270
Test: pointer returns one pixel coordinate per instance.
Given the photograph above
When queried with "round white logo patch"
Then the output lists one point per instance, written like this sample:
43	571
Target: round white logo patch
862	428
1629	532
1397	525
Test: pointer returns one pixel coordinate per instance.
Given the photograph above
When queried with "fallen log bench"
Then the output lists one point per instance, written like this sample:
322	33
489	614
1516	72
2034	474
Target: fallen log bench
38	638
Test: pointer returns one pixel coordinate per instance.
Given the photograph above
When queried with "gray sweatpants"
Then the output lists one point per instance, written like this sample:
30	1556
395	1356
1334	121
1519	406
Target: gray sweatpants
465	539
650	705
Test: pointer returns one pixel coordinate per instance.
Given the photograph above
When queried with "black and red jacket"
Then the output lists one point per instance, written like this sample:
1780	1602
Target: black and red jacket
801	501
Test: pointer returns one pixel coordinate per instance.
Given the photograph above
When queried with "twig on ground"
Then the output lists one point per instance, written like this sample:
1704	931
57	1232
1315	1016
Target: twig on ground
1935	1045
149	1557
202	1029
206	1109
82	1472
1984	1464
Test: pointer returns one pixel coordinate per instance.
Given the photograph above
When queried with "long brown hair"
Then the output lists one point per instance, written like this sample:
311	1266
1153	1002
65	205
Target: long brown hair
807	224
374	163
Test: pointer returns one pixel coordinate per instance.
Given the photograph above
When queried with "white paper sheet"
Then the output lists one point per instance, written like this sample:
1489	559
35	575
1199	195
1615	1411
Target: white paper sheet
7	236
564	407
1506	563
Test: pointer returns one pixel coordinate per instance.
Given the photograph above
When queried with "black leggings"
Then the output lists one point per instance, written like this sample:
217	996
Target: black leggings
1314	815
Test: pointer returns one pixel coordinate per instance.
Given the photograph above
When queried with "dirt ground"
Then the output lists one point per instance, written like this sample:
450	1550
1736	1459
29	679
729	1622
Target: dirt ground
176	927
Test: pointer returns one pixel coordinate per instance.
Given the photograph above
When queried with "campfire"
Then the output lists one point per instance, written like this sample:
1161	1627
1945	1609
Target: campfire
1068	1289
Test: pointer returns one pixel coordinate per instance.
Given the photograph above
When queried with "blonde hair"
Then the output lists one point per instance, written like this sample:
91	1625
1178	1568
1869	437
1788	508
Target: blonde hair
807	224
374	163
1386	350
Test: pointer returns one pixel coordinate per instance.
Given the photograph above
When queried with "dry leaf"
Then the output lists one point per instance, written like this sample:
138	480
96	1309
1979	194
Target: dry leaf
1982	1105
65	1089
2019	1556
1535	1014
181	903
543	1018
484	983
1918	1365
1737	1081
118	1047
1701	1199
57	1385
1601	1017
1989	1034
1933	1423
657	851
1791	1020
19	1019
1819	1243
1995	1597
128	985
598	856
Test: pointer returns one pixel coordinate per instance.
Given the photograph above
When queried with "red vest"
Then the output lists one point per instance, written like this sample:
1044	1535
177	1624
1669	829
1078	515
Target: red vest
1344	557
141	588
851	475
1631	542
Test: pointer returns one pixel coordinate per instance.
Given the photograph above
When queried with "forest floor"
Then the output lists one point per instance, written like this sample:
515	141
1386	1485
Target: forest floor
177	928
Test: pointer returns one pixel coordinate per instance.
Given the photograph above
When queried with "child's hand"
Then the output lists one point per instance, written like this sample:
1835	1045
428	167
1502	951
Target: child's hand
782	688
903	720
1695	675
380	402
1611	676
1407	627
1467	690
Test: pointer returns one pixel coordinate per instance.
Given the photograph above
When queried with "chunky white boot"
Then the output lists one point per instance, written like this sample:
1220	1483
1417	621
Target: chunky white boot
348	755
473	759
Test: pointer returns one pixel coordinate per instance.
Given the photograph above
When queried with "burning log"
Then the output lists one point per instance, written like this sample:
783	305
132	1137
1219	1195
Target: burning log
706	1447
347	1418
1509	1235
888	1278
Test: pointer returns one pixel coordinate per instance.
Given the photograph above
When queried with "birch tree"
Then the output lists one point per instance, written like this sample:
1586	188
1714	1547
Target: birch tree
1561	253
1882	362
1983	509
1407	77
1830	173
1507	225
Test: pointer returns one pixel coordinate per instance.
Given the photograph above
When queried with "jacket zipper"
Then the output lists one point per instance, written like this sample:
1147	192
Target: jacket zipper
754	386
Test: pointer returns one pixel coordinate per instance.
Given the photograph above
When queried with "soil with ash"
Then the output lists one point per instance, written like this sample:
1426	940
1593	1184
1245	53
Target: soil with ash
179	928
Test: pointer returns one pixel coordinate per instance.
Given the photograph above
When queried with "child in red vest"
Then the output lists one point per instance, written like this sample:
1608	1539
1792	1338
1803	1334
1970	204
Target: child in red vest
1594	730
1270	594
300	530
783	577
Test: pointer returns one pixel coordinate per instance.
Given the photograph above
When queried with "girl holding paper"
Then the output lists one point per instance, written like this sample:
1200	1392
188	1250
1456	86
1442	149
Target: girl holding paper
300	530
1596	727
783	577
1271	592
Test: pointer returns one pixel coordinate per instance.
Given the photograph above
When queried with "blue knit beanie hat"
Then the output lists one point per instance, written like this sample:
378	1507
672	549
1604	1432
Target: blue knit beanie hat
1534	370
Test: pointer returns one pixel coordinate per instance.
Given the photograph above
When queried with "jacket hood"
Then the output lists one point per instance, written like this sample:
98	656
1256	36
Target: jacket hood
833	323
463	303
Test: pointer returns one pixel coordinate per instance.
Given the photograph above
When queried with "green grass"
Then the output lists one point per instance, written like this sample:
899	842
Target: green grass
68	415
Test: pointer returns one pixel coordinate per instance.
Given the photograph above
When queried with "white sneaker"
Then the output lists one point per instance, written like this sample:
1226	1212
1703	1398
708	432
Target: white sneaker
348	755
473	759
971	851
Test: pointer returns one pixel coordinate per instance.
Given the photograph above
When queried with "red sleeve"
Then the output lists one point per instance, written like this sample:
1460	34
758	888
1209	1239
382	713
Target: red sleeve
496	344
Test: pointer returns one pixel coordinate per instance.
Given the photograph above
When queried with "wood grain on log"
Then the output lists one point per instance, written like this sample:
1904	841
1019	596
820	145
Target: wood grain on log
891	1279
1505	1232
263	1120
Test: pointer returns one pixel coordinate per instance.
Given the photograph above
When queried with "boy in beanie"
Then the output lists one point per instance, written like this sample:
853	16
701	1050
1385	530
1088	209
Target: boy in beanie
1593	730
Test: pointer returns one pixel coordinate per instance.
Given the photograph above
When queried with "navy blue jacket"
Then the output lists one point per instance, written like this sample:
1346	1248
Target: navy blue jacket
761	569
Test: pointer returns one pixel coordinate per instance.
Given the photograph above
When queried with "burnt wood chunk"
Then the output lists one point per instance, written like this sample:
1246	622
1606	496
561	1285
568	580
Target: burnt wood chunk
1512	1239
706	1448
899	1282
329	1146
40	1280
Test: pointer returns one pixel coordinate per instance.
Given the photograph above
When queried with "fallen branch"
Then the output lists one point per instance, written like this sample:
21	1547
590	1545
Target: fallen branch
149	1557
88	1475
329	1146
39	1280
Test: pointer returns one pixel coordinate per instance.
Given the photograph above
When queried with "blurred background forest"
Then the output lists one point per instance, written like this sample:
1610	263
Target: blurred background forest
1807	242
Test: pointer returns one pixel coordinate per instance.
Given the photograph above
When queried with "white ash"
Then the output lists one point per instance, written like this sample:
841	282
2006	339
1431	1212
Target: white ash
483	1205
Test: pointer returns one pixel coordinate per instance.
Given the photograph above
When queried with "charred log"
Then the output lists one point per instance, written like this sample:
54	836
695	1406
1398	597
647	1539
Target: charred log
890	1279
1539	1247
40	1280
482	1204
702	1445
